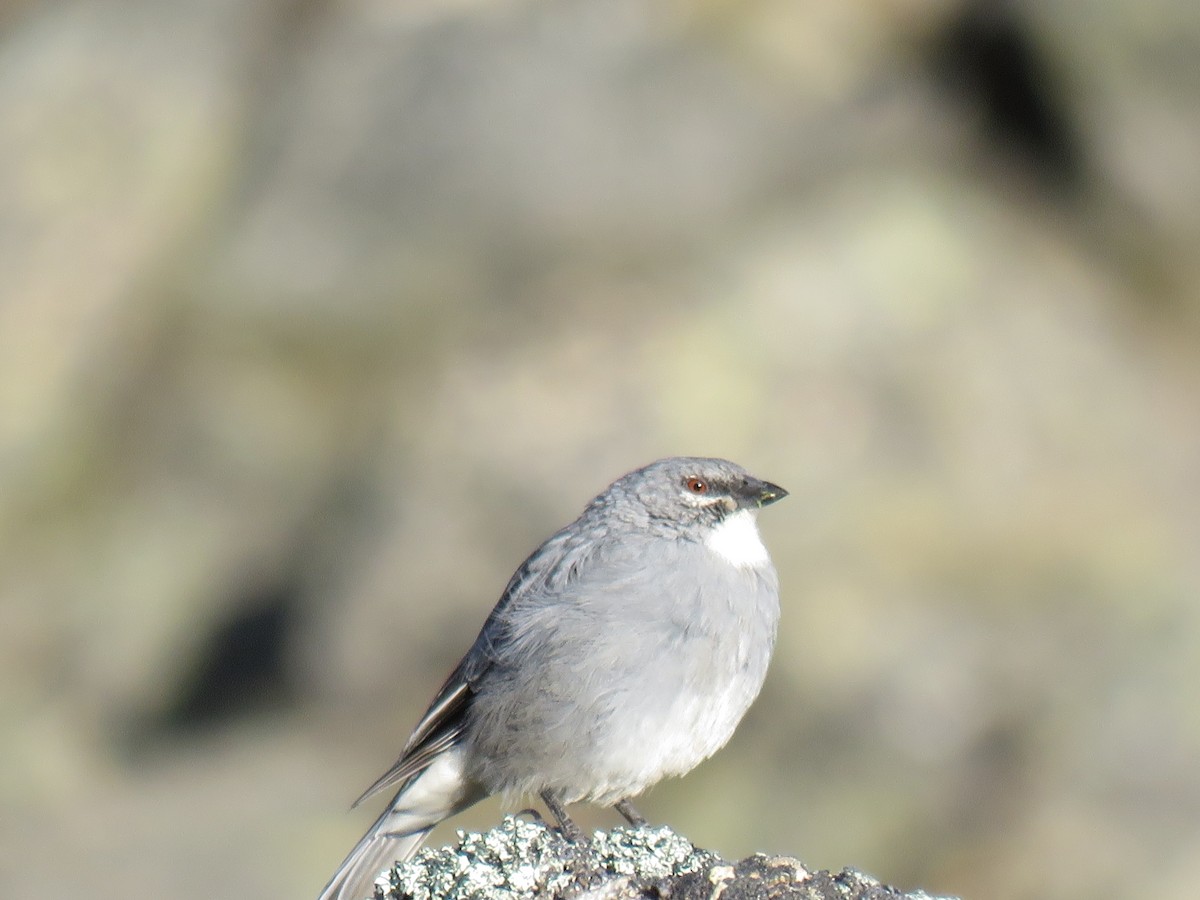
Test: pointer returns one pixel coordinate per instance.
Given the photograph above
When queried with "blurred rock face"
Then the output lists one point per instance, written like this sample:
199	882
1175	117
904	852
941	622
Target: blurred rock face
317	317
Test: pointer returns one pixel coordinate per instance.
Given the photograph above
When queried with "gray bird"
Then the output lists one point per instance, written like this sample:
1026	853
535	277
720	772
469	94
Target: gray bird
624	650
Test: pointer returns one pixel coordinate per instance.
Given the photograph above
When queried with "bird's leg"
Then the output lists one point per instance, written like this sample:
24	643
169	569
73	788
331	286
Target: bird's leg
632	816
569	829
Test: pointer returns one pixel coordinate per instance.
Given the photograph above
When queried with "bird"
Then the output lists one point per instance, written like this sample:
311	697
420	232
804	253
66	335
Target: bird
624	650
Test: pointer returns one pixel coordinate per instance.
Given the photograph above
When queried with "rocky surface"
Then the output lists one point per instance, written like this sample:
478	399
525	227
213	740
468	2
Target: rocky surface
528	861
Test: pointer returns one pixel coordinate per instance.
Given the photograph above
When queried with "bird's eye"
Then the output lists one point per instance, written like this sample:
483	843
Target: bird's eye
697	485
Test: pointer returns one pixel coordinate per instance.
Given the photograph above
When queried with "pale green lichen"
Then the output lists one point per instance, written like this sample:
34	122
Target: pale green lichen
520	860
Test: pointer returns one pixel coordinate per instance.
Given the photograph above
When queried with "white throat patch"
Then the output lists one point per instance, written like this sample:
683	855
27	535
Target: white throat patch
737	542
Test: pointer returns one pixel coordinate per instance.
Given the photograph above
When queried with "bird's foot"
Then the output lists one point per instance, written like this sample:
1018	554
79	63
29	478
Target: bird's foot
569	830
632	816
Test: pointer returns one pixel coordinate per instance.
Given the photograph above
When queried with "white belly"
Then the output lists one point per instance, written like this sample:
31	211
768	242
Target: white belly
673	745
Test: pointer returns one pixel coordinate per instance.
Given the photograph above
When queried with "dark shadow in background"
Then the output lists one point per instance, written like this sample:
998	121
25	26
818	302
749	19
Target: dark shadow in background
245	666
241	668
989	56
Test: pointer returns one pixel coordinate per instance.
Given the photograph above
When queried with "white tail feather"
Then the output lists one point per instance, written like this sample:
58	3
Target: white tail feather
437	793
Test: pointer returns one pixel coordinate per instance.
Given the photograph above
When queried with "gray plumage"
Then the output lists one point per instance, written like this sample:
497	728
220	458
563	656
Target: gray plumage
623	651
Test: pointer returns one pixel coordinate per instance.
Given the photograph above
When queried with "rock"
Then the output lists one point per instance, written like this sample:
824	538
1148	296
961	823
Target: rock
520	859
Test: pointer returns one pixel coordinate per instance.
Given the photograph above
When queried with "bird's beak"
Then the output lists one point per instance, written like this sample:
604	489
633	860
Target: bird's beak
763	493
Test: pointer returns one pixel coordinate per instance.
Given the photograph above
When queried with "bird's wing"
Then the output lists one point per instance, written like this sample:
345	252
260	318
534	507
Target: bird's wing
550	566
439	729
442	725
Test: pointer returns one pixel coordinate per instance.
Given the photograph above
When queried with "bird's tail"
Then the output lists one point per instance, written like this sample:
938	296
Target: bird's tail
383	846
397	835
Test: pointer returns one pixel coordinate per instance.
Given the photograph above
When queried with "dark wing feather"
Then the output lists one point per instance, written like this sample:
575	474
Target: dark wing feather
439	729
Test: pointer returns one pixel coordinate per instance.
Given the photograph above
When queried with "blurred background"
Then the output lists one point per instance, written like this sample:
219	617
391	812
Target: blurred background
316	316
